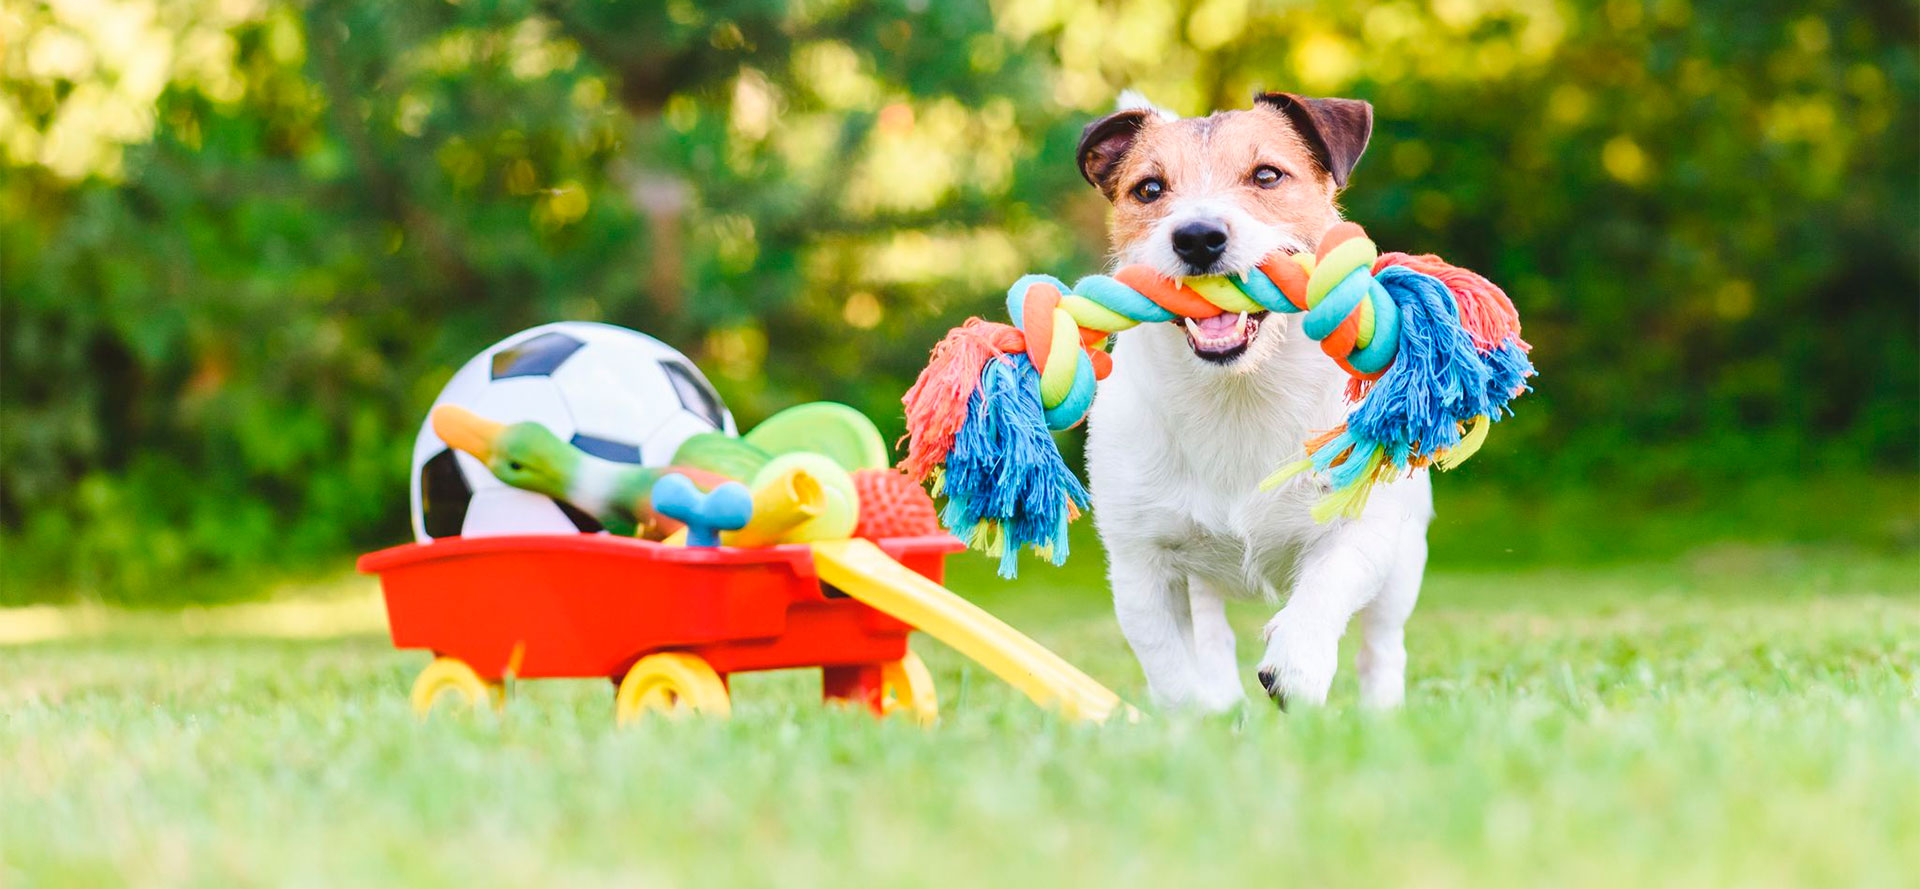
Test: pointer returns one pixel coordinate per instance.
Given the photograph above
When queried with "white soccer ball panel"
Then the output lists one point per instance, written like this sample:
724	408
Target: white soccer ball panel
641	373
526	399
609	402
632	357
478	476
502	510
630	354
668	437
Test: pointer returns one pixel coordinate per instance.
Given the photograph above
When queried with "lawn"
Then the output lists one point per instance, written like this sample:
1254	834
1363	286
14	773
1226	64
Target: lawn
1743	715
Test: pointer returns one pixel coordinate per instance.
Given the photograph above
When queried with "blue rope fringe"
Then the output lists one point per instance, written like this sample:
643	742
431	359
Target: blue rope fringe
1006	484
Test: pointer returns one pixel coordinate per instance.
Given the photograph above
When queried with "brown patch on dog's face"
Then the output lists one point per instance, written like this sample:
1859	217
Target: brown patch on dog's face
1217	195
1276	166
1221	157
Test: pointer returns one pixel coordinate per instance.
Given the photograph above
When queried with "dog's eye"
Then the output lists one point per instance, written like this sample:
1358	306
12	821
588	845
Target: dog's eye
1149	190
1267	177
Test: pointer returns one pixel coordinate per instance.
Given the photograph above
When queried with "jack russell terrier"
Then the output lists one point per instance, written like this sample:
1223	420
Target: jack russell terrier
1196	413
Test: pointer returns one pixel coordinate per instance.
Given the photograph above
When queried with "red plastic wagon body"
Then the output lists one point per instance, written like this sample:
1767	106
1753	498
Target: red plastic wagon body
594	605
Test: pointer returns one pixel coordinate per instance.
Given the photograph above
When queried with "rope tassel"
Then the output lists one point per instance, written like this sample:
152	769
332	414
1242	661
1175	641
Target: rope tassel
1433	350
1005	482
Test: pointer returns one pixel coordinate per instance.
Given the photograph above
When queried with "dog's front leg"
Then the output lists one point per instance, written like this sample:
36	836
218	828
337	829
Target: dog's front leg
1213	654
1150	600
1380	661
1338	576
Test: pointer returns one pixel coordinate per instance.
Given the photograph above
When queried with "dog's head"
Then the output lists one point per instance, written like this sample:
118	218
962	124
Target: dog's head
1215	195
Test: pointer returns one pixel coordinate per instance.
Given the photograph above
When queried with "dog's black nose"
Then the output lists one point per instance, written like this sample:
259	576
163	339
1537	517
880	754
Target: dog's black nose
1199	245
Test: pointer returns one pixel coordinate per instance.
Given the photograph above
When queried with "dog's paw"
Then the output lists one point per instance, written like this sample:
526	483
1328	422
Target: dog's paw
1197	702
1222	699
1300	662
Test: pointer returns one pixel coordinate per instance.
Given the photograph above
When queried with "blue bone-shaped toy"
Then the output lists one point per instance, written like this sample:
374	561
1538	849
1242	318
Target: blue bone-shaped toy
727	507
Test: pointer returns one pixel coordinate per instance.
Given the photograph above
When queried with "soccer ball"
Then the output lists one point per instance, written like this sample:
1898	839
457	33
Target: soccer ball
617	394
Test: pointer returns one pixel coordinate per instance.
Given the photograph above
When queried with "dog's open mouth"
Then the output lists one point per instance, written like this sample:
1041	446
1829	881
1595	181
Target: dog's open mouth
1223	337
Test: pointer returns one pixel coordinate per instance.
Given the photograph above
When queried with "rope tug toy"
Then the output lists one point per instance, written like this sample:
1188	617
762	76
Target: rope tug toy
1434	352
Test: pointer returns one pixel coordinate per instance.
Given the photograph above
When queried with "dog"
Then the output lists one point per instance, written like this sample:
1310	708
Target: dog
1196	413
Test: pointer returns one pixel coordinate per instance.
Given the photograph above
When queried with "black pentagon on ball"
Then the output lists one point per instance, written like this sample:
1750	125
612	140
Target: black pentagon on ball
444	496
696	395
536	357
586	523
607	449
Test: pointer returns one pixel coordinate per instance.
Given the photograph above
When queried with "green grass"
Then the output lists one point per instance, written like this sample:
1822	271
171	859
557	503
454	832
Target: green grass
1739	716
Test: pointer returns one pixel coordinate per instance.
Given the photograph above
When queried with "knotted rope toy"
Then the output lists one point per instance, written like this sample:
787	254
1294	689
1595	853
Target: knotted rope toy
1434	352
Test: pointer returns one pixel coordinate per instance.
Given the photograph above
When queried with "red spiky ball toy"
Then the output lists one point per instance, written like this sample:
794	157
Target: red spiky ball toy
893	505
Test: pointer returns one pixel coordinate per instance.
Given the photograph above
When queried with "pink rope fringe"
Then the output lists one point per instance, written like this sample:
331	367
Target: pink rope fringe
1485	311
937	403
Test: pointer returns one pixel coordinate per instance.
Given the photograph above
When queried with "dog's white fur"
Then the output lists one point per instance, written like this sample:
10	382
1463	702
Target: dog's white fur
1176	449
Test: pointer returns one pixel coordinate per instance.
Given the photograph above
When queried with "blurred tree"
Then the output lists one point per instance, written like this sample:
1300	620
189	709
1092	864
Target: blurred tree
243	243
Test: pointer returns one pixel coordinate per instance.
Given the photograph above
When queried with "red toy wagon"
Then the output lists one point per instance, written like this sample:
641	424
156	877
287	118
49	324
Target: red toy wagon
668	623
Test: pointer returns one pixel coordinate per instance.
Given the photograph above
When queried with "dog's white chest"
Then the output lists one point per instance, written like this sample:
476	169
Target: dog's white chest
1176	453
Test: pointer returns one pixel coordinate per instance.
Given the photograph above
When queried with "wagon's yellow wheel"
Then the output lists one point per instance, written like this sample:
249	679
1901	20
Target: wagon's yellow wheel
674	683
907	687
451	678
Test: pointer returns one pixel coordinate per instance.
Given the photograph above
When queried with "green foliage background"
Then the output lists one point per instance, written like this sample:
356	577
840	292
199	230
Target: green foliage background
242	244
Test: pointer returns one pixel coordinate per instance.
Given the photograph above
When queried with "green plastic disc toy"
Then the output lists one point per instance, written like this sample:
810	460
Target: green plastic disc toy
824	427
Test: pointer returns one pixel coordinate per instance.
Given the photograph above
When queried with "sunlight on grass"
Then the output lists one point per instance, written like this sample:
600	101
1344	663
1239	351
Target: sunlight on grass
1685	724
342	606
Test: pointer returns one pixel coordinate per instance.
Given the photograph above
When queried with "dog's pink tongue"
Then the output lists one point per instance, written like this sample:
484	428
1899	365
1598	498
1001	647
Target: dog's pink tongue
1218	325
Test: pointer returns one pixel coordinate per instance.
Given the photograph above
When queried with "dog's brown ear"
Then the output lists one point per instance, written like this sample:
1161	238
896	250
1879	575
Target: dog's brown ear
1337	129
1104	142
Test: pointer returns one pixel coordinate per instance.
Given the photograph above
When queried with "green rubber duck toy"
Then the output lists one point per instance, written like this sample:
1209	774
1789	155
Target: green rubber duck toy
619	495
